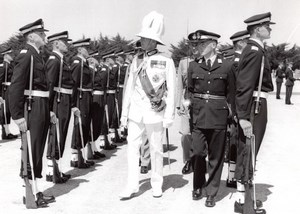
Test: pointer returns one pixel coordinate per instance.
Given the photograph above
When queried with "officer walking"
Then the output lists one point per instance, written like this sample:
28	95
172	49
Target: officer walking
30	80
6	69
61	89
289	83
148	105
210	82
280	74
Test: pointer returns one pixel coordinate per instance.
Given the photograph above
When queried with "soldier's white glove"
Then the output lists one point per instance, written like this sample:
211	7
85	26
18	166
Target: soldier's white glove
1	100
167	123
124	121
22	124
246	126
53	118
76	111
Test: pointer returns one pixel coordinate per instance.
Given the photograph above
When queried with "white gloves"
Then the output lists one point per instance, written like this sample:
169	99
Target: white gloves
76	111
246	126
22	124
53	118
124	121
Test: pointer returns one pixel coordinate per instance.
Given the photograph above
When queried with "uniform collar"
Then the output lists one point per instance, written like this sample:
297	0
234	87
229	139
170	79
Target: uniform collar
212	59
82	58
261	44
34	47
59	54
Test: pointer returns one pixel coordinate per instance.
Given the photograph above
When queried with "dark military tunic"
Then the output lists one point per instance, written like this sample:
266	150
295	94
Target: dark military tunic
82	99
280	74
121	81
98	112
39	117
111	96
62	106
6	70
289	85
209	118
247	82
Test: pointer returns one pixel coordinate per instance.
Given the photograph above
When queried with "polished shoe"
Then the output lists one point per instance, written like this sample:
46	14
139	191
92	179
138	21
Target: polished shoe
144	169
9	137
156	193
40	203
278	98
99	154
127	193
74	163
82	165
109	147
48	199
49	178
231	184
68	176
210	201
197	194
91	163
187	168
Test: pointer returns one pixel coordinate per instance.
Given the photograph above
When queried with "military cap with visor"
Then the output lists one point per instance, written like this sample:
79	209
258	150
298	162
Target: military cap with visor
38	25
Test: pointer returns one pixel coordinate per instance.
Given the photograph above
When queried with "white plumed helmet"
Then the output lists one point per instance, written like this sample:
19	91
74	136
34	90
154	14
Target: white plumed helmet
153	27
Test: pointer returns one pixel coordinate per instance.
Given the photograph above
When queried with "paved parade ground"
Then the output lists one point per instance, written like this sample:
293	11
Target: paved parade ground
95	190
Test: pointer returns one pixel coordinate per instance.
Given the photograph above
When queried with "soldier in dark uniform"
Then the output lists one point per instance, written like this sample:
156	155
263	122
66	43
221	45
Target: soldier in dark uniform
82	99
239	40
61	89
29	63
97	124
210	82
247	92
121	80
289	83
6	69
111	89
280	74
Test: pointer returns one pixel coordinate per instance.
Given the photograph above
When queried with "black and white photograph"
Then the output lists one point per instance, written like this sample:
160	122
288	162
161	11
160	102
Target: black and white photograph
142	107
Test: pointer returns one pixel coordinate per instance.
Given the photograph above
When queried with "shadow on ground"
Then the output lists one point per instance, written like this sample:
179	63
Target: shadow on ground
173	181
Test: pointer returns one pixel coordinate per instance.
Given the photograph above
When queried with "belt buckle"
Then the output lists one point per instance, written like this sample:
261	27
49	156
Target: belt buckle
205	96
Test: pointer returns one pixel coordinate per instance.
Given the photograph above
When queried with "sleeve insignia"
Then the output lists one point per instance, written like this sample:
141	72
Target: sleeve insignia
52	57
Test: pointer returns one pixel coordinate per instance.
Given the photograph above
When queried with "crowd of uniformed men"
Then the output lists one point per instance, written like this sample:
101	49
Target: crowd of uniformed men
213	93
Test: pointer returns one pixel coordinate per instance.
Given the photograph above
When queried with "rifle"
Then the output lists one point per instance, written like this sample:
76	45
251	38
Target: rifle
60	79
30	84
257	100
81	137
58	144
30	198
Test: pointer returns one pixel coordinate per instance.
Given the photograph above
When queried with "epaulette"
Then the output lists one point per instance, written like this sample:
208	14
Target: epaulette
114	65
52	57
254	48
23	51
237	59
103	69
1	65
76	61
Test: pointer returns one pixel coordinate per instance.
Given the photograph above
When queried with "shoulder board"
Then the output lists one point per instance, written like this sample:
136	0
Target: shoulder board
103	69
76	61
125	64
1	65
23	51
52	57
254	48
114	65
237	59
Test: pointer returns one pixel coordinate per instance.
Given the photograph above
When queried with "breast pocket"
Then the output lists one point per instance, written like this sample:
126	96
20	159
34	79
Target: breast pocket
219	82
197	80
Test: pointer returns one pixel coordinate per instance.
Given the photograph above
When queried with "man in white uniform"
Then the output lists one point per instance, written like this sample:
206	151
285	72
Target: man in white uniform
148	105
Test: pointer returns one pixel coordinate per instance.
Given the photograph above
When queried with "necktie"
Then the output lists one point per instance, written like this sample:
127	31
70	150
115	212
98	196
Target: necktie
209	64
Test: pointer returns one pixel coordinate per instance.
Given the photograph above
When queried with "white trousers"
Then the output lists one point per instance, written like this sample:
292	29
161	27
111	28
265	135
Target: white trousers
136	133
